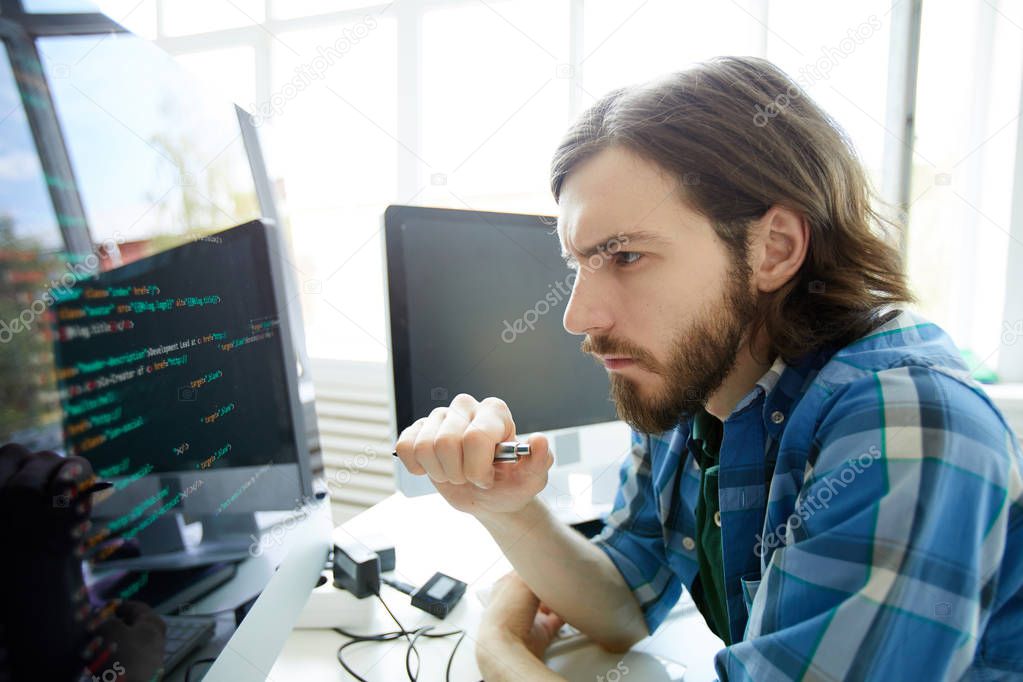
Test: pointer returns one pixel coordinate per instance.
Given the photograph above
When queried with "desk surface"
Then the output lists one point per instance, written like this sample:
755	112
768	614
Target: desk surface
430	536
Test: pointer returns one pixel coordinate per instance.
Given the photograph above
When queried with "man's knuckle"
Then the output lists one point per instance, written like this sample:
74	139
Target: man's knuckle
475	438
445	442
422	448
495	402
458	412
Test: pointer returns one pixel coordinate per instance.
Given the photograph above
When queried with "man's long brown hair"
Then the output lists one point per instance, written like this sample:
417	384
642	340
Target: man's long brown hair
740	136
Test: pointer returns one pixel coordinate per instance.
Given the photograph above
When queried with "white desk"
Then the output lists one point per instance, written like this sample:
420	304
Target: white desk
429	536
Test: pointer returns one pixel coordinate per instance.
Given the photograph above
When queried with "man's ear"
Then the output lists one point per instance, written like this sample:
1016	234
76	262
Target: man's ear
779	247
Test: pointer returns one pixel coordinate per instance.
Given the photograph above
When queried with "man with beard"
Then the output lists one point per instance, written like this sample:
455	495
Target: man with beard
810	461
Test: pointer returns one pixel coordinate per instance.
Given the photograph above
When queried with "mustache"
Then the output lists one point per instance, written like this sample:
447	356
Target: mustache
605	346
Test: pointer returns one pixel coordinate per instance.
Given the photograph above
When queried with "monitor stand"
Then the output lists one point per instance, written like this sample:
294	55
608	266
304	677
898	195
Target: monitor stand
166	545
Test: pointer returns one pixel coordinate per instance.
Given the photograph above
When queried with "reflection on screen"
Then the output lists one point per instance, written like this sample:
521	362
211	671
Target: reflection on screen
175	363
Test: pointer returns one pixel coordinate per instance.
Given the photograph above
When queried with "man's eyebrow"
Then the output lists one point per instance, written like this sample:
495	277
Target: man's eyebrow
623	239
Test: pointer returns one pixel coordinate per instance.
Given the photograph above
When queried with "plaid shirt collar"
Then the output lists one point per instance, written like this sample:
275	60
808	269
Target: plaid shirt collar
765	384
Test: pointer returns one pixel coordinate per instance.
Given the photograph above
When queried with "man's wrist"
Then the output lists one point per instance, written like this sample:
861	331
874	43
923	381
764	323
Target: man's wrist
525	517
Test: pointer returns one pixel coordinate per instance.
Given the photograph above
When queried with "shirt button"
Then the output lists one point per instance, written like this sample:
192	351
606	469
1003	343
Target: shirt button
688	543
717	518
777	417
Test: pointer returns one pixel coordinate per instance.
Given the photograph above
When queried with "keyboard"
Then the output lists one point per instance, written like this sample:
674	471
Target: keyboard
185	635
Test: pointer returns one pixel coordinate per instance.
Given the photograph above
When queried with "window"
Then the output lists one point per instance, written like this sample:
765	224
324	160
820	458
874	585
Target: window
964	162
495	96
230	72
25	207
154	166
839	54
632	41
456	103
31	253
332	133
182	17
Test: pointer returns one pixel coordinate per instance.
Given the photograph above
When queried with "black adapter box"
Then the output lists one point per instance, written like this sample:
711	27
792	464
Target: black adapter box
356	569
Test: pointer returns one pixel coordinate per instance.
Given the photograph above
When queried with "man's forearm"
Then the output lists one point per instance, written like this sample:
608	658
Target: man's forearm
568	573
510	661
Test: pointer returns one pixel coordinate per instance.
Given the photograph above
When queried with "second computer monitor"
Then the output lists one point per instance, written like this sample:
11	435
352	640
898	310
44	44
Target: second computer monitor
476	301
177	380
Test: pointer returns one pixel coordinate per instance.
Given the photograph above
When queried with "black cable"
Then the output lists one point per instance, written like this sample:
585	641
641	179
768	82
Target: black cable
412	647
382	637
411	643
391	636
410	635
188	671
359	639
451	658
401	627
388	636
341	659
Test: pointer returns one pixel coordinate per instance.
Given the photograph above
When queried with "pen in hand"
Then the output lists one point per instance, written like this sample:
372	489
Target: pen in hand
507	451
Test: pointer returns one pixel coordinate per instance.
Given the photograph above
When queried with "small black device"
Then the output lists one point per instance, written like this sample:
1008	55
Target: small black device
356	569
439	595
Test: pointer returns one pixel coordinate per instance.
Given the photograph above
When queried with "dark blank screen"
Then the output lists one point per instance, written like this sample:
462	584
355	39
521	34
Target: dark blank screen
485	295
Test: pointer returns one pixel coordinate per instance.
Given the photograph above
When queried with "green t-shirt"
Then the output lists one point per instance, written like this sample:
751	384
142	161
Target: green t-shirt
710	597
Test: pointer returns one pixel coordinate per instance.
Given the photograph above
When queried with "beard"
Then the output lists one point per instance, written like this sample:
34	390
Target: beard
702	356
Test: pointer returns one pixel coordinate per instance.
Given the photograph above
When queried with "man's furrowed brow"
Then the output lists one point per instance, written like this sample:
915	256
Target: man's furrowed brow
621	240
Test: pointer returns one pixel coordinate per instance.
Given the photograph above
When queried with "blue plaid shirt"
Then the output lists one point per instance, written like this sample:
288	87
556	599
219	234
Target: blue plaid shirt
871	518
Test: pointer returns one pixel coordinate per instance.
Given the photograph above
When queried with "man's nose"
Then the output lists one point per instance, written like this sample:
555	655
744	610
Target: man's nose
587	312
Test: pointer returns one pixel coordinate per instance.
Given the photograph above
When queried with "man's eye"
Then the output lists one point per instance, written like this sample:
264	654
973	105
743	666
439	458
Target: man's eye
628	257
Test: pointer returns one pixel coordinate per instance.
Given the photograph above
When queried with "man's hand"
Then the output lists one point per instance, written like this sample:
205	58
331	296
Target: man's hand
42	500
454	446
515	632
44	509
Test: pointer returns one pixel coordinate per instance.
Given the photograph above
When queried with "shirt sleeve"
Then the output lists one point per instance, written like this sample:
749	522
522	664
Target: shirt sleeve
888	566
634	539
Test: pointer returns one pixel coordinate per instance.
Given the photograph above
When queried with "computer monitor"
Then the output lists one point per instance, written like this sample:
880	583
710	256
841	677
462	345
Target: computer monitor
178	382
476	301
